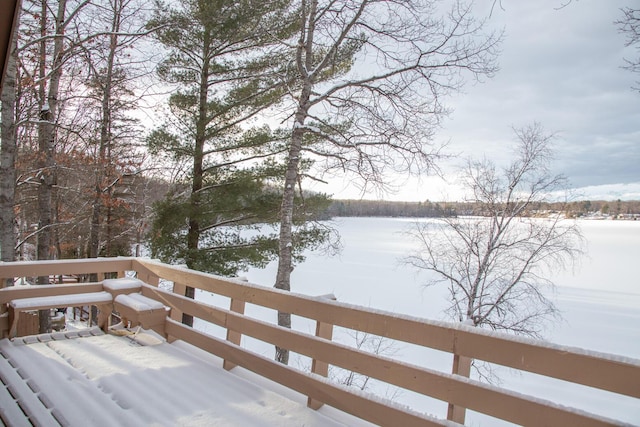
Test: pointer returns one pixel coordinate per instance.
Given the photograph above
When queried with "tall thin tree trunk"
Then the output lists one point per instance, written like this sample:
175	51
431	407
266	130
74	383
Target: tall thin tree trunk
103	164
44	197
46	131
285	248
56	246
94	235
8	162
285	245
193	234
46	140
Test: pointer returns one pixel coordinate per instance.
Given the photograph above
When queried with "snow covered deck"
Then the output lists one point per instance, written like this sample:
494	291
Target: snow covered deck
89	378
67	380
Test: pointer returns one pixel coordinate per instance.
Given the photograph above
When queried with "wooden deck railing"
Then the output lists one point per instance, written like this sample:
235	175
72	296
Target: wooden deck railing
602	371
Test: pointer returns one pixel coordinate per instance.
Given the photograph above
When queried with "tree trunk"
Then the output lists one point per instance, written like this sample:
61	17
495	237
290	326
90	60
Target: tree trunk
46	141
285	248
46	132
104	162
94	235
8	163
285	262
42	241
193	234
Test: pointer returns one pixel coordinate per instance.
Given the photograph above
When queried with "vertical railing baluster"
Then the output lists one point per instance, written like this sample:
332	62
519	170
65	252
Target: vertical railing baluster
237	306
461	366
178	289
323	330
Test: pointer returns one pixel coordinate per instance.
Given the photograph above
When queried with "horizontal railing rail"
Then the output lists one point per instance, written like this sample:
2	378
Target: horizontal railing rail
457	390
17	292
602	371
619	375
62	267
357	404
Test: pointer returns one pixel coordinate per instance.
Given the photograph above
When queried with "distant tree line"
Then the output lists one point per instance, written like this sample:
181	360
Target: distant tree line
429	209
388	208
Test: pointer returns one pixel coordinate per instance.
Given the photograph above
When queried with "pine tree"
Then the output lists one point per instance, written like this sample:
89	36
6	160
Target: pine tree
224	60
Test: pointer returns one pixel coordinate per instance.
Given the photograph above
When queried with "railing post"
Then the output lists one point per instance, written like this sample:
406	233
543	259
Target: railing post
237	306
323	330
461	366
178	289
150	279
5	282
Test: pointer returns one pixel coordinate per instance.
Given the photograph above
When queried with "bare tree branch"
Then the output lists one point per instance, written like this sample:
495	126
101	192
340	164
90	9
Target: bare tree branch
496	267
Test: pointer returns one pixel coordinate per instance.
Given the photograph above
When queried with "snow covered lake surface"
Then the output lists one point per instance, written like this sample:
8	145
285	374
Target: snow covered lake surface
600	304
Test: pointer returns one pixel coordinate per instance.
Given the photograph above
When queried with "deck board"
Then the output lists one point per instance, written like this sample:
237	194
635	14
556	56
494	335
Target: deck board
9	408
111	380
17	392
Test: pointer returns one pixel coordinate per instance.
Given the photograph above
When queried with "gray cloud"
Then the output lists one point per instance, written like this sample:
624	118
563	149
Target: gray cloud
563	69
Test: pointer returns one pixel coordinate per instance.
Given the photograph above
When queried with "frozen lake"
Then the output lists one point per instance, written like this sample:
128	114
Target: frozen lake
599	302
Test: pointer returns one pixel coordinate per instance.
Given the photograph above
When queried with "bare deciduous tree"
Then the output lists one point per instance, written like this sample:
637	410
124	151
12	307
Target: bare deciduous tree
113	71
78	66
367	80
630	26
495	266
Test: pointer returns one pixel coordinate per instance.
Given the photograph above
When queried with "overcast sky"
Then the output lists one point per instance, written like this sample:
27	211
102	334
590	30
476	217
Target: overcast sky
562	68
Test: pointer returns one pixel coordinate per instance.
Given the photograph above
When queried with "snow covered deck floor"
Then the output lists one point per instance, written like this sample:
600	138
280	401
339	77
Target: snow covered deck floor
88	378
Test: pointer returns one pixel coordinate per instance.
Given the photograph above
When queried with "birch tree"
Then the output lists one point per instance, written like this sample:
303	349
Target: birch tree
367	81
496	267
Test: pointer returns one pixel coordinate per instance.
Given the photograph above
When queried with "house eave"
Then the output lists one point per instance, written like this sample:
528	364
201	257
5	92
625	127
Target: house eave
8	20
